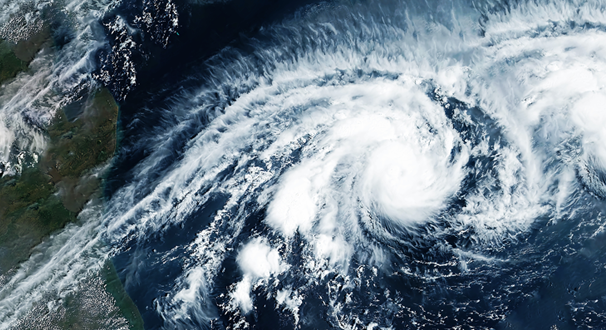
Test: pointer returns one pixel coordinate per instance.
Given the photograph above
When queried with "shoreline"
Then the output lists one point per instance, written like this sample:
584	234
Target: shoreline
49	194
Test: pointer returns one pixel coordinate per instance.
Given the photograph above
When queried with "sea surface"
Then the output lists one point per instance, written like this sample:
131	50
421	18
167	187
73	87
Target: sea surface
329	164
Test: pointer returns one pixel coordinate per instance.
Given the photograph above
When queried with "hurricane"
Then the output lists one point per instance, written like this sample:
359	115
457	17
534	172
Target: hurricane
345	164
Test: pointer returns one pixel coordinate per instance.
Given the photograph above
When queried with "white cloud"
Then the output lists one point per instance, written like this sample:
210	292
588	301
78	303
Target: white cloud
257	261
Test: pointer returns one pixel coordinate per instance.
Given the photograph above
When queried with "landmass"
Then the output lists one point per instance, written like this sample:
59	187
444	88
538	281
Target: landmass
48	195
44	198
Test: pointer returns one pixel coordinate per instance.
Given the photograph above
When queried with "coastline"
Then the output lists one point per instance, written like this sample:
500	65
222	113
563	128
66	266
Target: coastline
50	193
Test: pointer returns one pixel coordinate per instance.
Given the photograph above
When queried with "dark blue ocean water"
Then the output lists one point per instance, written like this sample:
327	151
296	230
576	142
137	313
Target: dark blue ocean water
204	31
552	275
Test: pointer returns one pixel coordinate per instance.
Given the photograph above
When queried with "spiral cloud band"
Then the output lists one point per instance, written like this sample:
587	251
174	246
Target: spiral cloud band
354	143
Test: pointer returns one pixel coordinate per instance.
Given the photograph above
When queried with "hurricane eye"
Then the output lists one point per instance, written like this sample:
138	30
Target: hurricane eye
186	164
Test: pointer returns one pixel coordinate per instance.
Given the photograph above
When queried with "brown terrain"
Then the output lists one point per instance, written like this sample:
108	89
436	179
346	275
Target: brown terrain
49	195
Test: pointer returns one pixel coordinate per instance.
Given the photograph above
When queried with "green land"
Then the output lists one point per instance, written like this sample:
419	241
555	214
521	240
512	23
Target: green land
10	64
45	197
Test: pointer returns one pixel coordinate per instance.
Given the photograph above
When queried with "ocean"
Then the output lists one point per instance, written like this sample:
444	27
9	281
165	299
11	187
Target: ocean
330	164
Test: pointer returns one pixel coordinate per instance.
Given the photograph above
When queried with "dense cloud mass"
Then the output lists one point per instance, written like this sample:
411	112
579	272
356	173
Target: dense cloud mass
357	165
